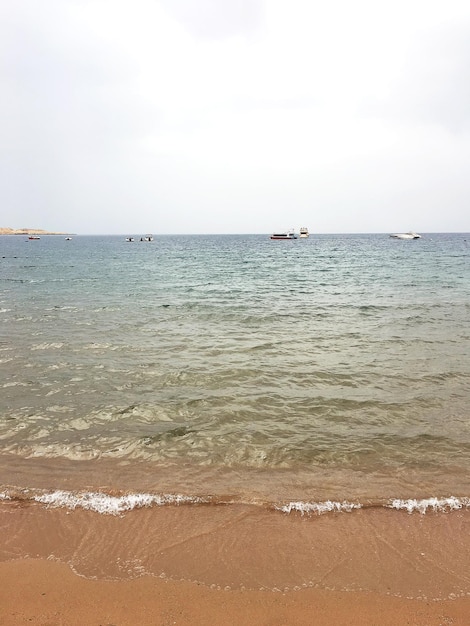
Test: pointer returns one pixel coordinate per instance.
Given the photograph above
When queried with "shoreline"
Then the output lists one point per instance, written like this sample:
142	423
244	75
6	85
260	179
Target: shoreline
241	547
48	592
29	231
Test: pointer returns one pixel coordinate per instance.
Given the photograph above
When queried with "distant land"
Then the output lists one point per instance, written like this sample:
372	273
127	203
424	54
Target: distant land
28	231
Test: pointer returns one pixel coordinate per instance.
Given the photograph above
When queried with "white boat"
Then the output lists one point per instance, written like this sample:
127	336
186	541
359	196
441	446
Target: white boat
303	233
287	235
409	235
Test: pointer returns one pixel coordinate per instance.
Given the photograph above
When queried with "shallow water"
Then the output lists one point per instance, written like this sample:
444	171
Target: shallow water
237	370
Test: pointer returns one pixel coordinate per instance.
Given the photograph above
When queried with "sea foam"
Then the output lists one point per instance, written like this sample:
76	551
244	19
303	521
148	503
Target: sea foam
112	505
318	508
441	505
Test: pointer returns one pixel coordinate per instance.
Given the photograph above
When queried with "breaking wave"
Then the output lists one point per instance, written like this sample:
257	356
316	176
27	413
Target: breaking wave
109	504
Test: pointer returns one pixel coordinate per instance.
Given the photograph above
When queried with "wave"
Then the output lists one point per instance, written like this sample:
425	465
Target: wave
319	507
109	504
100	502
434	504
412	505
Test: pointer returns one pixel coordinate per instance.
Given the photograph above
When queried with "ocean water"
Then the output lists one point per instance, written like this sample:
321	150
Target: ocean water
298	377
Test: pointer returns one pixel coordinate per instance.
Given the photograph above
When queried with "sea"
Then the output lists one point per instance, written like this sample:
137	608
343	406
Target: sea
239	412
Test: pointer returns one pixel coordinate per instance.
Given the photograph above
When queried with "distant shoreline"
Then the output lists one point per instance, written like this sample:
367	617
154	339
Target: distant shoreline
29	231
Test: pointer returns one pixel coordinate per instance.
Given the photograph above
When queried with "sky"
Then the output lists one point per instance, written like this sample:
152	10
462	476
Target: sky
235	116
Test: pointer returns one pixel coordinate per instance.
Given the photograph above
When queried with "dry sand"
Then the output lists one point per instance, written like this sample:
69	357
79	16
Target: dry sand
49	593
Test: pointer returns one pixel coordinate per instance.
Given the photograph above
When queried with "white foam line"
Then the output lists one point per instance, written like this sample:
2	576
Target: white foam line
114	505
111	505
318	507
434	504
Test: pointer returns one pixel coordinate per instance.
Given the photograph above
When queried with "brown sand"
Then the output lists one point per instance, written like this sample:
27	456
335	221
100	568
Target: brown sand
49	593
232	565
248	548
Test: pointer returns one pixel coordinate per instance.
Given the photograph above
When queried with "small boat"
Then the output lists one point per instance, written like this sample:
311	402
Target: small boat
303	233
68	239
129	238
34	237
147	238
288	235
410	235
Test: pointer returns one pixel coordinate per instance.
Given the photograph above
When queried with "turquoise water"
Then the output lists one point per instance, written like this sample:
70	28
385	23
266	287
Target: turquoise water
333	367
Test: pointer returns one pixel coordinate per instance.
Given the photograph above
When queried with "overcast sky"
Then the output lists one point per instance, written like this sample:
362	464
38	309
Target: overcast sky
235	116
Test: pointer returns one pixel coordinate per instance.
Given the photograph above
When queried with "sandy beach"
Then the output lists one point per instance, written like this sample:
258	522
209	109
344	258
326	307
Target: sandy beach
48	593
68	568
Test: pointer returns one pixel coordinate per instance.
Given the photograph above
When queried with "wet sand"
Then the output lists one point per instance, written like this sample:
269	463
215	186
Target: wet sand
236	564
244	547
44	593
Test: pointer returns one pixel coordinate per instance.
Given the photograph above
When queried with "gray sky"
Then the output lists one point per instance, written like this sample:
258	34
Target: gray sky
235	116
